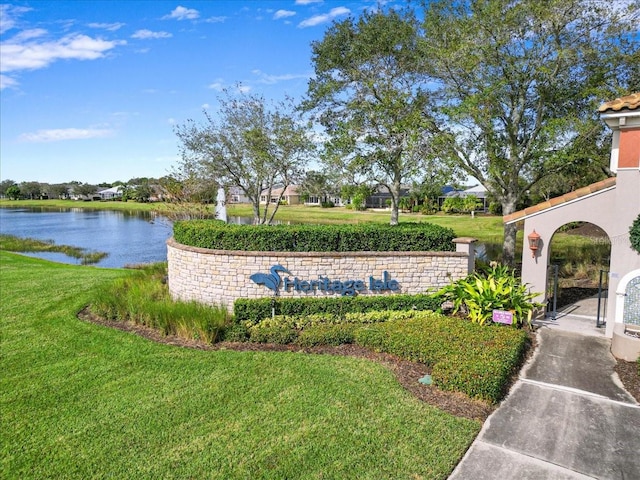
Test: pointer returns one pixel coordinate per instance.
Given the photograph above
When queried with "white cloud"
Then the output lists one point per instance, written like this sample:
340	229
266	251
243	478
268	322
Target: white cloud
28	35
20	55
307	2
60	134
324	18
218	85
112	27
243	88
272	79
205	106
283	14
182	13
7	82
215	19
9	15
144	34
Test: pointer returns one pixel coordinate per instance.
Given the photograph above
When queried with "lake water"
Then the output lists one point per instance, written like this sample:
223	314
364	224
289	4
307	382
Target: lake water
128	238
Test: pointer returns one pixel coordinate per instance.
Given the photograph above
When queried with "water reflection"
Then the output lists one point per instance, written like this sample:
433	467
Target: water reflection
127	237
488	252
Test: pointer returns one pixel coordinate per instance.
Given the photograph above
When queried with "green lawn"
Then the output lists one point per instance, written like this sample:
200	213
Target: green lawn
83	401
133	206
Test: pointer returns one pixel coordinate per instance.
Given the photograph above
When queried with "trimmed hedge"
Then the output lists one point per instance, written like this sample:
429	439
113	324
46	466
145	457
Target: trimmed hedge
255	310
413	237
305	322
327	335
464	356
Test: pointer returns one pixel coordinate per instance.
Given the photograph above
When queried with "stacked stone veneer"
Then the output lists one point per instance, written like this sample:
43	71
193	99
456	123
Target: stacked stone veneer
221	276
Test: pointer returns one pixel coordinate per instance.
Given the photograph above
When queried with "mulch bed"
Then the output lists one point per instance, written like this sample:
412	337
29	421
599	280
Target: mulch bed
630	377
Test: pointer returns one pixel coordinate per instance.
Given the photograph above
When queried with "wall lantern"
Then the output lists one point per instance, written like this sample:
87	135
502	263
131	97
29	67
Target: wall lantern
534	242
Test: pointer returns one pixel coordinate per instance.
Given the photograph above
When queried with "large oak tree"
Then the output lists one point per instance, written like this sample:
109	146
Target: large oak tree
368	94
519	83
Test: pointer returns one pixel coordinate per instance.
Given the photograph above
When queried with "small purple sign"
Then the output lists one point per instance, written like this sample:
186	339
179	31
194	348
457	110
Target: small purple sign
503	316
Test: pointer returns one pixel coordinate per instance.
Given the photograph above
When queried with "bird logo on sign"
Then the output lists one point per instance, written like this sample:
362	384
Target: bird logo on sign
270	280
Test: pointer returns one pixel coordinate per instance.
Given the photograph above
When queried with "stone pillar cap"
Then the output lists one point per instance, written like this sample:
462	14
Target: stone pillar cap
465	240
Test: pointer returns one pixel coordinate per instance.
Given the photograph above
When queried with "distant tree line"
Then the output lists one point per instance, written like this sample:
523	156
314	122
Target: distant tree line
137	189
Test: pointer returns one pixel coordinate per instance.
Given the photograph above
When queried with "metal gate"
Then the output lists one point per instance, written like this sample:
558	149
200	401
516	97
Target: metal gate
552	292
603	294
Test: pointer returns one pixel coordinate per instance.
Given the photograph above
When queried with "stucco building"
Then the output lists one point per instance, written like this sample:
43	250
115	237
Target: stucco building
612	204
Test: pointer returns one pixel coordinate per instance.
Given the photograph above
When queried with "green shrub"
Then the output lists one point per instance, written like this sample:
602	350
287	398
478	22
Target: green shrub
634	234
359	201
314	238
297	322
255	310
279	335
483	372
464	356
453	205
496	288
235	333
326	335
304	322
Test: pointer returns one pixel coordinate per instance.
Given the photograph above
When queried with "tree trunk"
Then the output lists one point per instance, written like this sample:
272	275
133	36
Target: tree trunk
395	201
256	212
394	212
510	231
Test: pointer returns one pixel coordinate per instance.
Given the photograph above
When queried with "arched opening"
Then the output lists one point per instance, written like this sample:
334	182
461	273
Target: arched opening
579	259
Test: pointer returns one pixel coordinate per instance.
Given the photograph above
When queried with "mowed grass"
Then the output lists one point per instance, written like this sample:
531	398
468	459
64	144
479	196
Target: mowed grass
80	400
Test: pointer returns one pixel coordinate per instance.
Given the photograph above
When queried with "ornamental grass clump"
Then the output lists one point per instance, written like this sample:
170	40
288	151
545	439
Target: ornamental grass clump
143	298
493	288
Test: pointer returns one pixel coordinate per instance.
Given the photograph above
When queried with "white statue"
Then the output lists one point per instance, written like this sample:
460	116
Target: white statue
221	207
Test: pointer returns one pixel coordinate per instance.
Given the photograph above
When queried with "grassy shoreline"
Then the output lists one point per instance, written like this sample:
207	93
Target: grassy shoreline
11	243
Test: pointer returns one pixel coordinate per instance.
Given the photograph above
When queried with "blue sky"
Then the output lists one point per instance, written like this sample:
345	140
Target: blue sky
91	90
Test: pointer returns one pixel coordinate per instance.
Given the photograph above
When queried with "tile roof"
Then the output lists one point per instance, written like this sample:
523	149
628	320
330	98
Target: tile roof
290	190
554	202
628	102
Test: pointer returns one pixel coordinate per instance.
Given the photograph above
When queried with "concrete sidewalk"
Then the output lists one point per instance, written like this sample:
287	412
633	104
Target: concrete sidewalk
567	417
